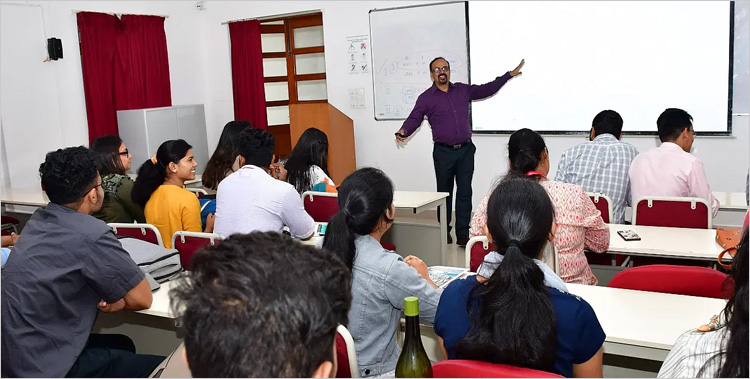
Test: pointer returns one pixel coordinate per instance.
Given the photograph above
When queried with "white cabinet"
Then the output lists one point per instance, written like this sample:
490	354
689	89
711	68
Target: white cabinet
143	130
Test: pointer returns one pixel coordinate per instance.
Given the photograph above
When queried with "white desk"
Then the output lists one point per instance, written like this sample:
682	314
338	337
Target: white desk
698	244
34	197
645	324
731	201
414	236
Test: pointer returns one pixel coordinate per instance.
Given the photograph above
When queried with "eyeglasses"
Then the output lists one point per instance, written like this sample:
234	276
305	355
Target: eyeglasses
443	69
89	190
125	153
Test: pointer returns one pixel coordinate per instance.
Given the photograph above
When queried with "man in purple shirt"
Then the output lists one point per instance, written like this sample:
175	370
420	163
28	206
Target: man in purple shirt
446	106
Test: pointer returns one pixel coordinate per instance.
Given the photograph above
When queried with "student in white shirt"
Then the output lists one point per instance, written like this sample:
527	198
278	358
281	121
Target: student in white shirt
670	169
256	197
719	349
307	164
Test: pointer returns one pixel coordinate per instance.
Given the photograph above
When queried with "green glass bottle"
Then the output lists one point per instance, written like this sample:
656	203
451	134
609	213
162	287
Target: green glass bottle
413	361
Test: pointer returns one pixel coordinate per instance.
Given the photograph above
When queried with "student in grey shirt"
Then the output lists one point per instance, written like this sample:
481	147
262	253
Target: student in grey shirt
67	267
381	279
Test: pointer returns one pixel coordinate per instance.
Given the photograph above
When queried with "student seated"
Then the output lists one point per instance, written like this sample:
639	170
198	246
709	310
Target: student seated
256	197
381	279
225	159
113	163
720	348
579	223
67	267
160	189
262	305
307	164
670	169
7	243
520	314
601	165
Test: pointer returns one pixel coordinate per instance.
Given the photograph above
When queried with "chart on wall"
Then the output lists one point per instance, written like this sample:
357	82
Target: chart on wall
403	42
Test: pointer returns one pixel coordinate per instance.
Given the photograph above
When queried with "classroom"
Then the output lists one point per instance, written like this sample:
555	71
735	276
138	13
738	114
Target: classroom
245	188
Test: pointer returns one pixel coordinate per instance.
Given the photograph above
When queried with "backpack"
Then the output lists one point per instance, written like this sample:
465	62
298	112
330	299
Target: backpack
161	263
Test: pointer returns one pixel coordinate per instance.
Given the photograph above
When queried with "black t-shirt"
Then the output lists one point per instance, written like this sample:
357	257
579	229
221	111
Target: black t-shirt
63	264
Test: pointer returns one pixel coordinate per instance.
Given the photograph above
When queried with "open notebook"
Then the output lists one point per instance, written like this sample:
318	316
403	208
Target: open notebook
443	275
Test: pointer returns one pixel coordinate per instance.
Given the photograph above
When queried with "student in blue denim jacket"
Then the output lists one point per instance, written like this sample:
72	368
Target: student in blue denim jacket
381	279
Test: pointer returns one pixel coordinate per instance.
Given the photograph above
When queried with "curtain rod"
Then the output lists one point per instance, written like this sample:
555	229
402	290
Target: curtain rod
76	11
274	17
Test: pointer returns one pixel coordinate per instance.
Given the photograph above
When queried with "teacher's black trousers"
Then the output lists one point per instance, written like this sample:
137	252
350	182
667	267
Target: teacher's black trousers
455	164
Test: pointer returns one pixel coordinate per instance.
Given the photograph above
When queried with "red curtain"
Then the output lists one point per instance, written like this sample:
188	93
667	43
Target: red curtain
247	73
142	64
125	66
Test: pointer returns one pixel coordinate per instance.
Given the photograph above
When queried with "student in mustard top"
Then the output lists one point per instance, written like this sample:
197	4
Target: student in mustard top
381	279
307	164
720	348
521	314
113	163
579	223
160	189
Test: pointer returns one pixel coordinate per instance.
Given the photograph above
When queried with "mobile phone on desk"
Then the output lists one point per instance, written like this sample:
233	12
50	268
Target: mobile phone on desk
322	229
629	235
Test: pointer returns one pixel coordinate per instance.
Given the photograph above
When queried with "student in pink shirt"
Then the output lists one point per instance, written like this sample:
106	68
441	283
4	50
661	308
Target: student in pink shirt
579	223
670	169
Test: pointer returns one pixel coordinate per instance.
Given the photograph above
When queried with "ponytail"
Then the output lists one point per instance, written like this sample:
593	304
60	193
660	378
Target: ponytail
364	198
153	172
514	322
525	149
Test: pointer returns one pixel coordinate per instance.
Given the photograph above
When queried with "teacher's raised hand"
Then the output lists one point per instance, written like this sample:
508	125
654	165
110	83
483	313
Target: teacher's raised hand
517	71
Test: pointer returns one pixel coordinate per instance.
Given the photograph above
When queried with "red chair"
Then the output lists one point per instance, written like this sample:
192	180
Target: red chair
321	206
476	249
388	246
145	232
9	223
676	212
460	368
200	192
346	354
604	204
187	243
681	280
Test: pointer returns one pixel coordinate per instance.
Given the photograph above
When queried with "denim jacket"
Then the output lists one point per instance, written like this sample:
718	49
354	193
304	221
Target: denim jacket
380	282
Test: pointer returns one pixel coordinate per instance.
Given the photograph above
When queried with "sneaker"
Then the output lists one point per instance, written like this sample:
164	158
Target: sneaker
462	241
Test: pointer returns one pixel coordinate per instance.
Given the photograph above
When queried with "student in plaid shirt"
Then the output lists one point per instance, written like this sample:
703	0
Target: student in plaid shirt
601	165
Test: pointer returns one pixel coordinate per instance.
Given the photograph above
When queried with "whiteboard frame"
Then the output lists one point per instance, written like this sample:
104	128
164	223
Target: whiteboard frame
730	96
372	53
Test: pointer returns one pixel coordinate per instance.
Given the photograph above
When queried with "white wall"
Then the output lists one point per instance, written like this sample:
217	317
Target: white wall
200	72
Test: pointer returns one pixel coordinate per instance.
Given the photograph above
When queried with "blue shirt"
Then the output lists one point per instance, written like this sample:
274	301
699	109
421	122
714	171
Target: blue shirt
5	255
579	335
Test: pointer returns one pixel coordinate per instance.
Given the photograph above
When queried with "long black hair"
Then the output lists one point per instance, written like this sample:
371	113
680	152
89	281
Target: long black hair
525	151
107	155
226	152
151	175
515	321
735	364
364	199
311	149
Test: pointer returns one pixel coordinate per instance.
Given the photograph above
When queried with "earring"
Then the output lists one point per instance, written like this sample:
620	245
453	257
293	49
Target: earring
174	170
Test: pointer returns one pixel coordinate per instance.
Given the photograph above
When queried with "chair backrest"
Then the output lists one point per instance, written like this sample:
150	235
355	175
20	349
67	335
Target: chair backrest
321	206
200	192
476	249
460	368
145	232
173	366
187	243
346	354
681	280
603	203
676	212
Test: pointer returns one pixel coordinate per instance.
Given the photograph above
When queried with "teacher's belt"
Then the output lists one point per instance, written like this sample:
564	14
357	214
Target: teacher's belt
456	146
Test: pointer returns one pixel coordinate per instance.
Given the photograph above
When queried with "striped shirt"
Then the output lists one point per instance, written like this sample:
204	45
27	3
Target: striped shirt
600	166
692	351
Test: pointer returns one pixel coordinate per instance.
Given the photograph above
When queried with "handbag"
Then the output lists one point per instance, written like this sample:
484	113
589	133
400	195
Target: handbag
728	239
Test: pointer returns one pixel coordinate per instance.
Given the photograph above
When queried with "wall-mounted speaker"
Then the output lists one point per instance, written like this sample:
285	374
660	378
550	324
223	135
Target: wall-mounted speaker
54	48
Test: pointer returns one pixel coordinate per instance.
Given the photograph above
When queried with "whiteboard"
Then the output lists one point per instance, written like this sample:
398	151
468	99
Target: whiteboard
404	41
637	58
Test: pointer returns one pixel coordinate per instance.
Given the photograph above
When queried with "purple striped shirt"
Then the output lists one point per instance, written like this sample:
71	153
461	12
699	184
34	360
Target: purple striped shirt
448	112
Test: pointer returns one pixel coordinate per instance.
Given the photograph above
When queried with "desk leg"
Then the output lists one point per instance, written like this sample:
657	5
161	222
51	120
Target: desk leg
443	231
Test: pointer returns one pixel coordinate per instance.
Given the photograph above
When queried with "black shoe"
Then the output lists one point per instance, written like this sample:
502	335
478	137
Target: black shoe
462	241
450	240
